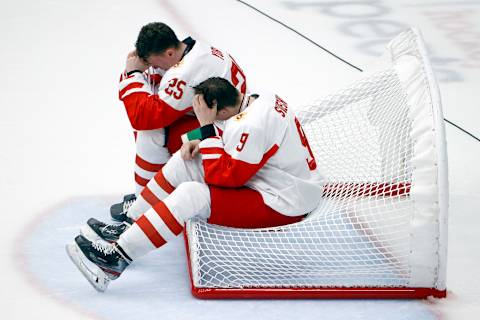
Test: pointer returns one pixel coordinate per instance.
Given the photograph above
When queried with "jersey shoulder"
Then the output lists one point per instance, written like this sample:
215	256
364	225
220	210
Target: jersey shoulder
203	60
263	114
270	105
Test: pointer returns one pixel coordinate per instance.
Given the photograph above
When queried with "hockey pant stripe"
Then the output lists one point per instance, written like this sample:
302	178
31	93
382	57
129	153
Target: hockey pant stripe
157	189
145	170
141	181
150	231
162	210
152	227
163	183
148	166
149	196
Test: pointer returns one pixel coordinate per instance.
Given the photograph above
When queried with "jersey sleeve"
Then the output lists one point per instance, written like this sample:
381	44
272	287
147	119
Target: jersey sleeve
147	110
234	163
176	90
154	75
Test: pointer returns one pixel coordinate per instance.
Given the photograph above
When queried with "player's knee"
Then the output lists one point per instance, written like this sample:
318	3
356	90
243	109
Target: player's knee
190	199
150	149
177	158
151	137
175	168
195	193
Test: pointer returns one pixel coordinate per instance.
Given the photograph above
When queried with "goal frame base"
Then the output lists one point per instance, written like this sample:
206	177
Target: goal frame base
308	293
318	293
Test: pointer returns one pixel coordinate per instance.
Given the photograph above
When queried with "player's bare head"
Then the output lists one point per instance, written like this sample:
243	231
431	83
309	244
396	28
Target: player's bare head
219	92
157	40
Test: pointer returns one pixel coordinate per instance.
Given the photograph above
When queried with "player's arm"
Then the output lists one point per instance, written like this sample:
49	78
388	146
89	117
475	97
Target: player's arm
246	151
154	75
148	111
234	163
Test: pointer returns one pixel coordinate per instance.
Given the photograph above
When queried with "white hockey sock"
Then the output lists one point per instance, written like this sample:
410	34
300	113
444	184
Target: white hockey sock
157	189
135	243
165	220
138	208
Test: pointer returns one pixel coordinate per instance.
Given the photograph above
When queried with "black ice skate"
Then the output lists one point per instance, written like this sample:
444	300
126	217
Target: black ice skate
96	230
118	211
98	261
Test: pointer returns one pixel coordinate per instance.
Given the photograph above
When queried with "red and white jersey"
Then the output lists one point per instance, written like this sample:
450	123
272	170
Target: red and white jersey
151	108
265	148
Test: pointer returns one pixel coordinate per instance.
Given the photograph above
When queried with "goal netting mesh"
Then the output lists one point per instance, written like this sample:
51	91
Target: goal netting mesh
382	220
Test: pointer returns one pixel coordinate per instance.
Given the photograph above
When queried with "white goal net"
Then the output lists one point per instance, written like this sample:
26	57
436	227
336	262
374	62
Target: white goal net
381	227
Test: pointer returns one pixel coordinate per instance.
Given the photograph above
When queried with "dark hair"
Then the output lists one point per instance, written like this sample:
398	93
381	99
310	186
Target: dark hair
218	90
155	38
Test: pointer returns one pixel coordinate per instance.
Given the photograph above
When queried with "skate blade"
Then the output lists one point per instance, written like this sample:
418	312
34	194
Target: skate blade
97	278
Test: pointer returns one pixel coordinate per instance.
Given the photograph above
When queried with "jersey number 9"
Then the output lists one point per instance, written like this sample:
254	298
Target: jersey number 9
312	164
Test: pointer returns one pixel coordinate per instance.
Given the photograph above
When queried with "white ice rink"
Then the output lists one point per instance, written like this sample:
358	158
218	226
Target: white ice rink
67	150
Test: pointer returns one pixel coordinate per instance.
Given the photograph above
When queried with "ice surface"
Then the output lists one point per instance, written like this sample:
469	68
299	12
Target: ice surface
158	285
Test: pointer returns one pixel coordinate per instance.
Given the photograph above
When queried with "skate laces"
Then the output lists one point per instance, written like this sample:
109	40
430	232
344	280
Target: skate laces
127	205
103	247
113	229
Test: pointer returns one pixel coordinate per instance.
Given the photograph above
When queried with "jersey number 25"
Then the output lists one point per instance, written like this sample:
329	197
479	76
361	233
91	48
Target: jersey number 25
175	88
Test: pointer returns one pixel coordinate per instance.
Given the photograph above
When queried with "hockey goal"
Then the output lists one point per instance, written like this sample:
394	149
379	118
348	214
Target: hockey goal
381	228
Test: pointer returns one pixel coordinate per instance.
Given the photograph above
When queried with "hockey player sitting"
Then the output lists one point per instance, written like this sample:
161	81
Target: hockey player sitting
259	172
159	103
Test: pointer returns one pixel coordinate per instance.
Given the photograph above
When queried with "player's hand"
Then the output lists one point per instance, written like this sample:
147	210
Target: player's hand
132	54
134	62
190	149
205	115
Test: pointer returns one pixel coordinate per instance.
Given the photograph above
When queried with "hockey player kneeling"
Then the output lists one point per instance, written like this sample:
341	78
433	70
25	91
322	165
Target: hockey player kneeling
259	172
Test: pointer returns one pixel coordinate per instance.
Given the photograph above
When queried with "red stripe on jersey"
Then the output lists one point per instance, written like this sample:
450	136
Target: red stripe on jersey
148	166
149	196
167	217
229	172
268	155
213	150
163	183
148	112
129	87
150	231
141	181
